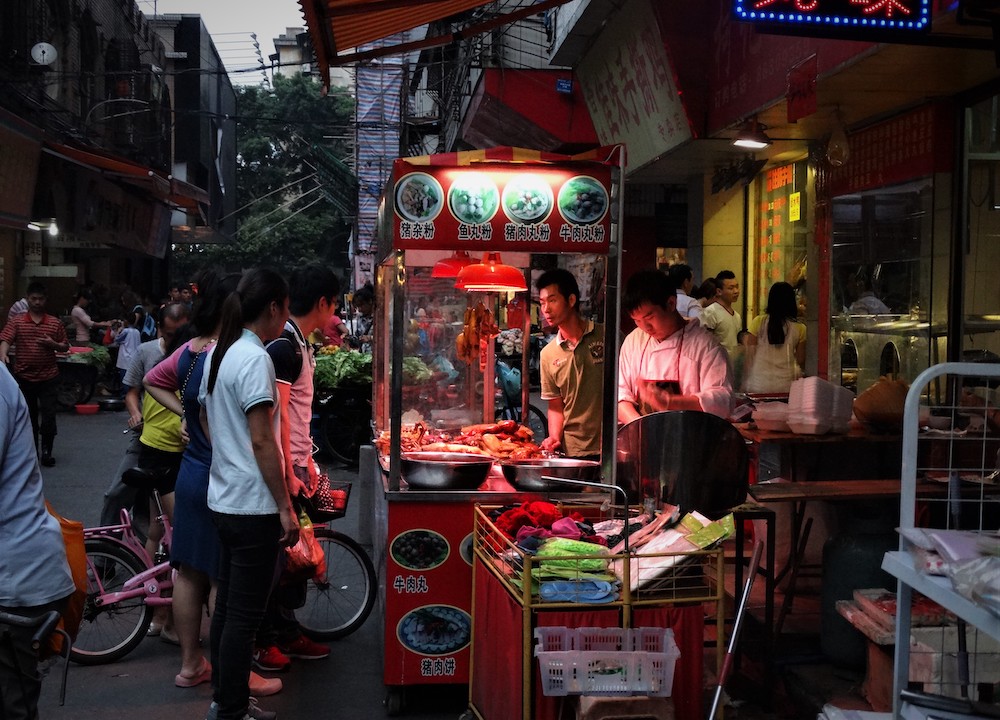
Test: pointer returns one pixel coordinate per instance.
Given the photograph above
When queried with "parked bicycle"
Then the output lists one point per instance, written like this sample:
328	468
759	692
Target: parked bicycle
125	584
508	402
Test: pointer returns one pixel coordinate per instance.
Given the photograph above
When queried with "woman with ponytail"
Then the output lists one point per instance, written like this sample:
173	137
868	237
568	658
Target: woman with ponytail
246	488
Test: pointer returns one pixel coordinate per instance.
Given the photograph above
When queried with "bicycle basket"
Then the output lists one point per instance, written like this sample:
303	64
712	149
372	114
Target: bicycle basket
510	380
329	502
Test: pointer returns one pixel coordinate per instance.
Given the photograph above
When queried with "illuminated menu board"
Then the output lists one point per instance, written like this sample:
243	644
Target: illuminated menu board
781	230
503	206
872	15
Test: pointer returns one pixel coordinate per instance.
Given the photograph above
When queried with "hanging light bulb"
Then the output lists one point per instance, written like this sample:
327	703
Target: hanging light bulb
837	148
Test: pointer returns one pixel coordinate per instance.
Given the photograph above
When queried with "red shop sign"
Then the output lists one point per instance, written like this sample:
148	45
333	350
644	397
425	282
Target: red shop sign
522	207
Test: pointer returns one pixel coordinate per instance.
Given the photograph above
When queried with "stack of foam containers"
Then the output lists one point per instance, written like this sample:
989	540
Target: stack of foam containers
817	406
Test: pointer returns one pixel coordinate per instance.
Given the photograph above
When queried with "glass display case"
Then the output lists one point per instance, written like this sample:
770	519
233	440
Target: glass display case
451	349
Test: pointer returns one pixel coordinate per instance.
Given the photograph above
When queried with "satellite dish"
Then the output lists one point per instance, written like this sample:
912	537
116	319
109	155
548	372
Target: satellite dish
44	53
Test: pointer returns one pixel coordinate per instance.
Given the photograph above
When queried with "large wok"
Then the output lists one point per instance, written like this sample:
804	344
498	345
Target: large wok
531	475
444	471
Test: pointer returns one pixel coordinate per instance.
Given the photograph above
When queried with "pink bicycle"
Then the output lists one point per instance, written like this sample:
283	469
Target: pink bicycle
124	584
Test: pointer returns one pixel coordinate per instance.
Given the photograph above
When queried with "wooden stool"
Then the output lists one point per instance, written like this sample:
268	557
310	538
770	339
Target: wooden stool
637	707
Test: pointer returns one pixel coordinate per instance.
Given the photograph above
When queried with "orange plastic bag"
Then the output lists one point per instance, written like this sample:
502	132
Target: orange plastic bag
305	559
76	554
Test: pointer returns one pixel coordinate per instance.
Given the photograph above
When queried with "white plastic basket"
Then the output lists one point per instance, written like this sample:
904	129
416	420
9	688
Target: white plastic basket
606	661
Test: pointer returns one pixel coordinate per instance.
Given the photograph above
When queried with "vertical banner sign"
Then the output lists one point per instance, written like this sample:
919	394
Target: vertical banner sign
629	86
801	93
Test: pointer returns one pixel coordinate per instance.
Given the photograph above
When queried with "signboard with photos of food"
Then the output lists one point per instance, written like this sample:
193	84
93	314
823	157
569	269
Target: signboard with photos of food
521	207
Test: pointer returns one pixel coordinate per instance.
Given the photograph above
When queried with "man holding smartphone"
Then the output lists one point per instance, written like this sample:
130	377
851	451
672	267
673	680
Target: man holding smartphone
667	363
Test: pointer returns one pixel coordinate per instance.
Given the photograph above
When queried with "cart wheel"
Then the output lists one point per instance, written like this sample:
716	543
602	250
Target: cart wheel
394	701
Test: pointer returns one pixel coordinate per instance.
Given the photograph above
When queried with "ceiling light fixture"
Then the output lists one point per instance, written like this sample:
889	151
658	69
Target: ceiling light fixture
450	266
752	136
491	275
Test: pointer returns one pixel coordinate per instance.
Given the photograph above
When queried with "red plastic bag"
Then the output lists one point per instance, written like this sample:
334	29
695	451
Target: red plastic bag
305	559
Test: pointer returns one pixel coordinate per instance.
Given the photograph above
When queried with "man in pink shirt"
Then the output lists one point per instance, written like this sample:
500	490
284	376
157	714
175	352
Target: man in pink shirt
667	363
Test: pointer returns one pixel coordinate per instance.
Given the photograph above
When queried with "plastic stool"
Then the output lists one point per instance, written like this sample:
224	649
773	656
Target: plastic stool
637	707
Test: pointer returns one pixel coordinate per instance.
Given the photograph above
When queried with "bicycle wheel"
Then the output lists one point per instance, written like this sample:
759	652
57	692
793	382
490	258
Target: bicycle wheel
340	602
537	422
110	632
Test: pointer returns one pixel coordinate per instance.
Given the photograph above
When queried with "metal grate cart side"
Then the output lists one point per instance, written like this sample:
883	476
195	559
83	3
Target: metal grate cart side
949	509
659	591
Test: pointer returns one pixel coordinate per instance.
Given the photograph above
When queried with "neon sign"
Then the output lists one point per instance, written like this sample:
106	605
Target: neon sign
906	15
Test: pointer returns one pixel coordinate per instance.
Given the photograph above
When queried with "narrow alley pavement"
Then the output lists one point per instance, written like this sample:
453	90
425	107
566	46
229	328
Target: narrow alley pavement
345	686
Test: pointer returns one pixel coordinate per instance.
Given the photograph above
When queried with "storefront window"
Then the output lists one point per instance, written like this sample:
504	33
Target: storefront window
980	340
780	240
880	283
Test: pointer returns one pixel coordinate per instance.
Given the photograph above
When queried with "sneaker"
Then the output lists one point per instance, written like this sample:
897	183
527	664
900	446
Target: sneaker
254	712
303	648
48	460
271	659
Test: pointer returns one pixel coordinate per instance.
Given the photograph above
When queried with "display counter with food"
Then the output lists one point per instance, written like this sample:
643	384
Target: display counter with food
443	440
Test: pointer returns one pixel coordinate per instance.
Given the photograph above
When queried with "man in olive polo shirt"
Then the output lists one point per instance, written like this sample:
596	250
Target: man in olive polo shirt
571	369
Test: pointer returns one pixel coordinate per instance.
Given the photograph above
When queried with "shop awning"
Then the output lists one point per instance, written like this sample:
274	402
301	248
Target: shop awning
608	154
166	187
339	26
21	145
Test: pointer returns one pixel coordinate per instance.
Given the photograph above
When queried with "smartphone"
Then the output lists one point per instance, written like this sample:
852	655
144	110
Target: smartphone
671	386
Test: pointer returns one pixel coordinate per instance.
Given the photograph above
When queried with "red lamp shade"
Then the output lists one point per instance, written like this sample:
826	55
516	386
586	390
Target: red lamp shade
491	275
450	266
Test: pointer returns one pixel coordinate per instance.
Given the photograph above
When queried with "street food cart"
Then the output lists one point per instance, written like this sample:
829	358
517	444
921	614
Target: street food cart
439	314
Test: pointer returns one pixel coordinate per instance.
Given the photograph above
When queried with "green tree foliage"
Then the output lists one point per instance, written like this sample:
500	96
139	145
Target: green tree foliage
290	143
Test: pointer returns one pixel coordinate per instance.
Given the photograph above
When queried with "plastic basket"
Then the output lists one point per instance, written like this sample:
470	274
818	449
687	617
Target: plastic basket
606	661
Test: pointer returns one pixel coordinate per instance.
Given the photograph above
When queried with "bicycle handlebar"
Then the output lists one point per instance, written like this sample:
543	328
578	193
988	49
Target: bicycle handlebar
45	624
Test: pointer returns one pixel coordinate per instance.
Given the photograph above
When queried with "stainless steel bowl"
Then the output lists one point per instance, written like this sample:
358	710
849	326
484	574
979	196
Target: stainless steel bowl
530	474
444	471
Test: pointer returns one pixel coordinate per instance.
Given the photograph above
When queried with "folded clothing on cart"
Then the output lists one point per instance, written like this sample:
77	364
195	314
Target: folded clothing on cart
582	591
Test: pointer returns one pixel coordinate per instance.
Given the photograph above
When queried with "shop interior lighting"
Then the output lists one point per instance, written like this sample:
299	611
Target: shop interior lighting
451	265
491	275
752	136
50	226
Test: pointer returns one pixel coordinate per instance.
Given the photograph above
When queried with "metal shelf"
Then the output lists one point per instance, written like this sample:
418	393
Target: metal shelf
899	564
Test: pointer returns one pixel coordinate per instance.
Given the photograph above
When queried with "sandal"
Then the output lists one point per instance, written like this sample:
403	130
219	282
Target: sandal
203	676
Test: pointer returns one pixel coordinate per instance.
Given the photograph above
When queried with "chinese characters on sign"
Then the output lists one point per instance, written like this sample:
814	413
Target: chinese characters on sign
630	89
548	207
431	667
911	15
410	584
779	247
891	152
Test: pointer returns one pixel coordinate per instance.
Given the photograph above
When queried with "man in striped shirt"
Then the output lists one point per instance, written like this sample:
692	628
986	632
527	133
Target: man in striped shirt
38	336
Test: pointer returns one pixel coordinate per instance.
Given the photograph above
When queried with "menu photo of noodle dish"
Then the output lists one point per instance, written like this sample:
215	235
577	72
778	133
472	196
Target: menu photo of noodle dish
419	197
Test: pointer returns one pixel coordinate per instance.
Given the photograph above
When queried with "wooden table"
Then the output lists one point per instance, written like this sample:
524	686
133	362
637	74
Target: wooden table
858	465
